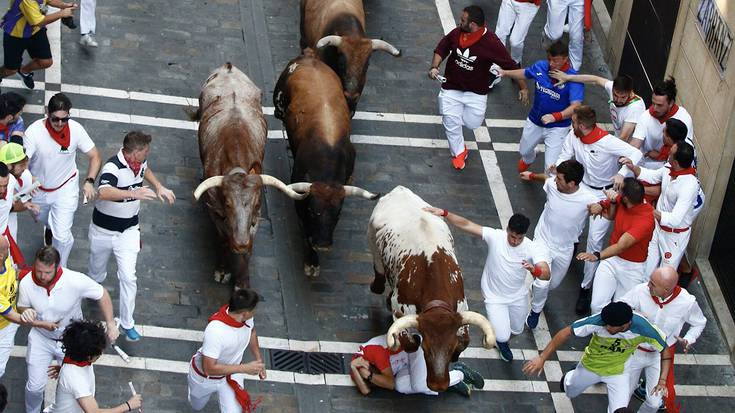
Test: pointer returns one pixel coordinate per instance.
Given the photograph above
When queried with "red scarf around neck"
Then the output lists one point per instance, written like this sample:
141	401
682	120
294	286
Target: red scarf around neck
63	138
594	136
222	316
134	166
468	39
686	171
677	291
4	131
667	116
68	360
51	284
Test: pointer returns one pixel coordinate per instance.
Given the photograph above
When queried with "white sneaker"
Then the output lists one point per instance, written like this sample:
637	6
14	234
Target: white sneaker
88	40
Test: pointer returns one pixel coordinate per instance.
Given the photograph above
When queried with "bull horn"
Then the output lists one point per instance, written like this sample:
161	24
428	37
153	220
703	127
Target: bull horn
331	40
385	47
403	323
208	183
277	183
477	319
303	187
357	191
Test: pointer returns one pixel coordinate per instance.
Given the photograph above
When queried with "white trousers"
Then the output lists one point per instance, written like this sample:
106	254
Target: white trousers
508	318
615	277
57	212
7	339
560	260
554	28
515	18
553	139
650	364
202	388
459	109
41	351
13	225
87	21
412	378
577	380
666	248
597	228
125	246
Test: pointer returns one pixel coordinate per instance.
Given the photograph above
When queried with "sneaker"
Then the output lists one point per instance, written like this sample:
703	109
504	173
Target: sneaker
522	166
88	40
686	278
561	382
27	79
458	161
532	319
640	391
471	376
131	334
505	353
48	236
583	301
461	388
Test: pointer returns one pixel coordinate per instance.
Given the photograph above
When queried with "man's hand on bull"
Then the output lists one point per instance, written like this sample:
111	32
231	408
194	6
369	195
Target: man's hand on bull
433	210
534	366
166	195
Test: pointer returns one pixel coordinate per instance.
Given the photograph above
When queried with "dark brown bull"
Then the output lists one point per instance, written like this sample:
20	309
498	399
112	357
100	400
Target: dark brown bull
308	99
337	29
232	136
415	251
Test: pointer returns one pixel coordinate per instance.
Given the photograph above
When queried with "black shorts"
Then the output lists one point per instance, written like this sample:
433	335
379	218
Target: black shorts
13	48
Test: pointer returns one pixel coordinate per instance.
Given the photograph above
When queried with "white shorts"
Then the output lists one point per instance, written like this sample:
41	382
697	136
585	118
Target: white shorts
202	388
613	279
666	248
650	364
507	318
579	379
459	109
553	139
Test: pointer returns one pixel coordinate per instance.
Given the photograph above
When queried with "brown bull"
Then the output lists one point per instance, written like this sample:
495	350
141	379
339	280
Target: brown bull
232	137
308	99
337	29
414	250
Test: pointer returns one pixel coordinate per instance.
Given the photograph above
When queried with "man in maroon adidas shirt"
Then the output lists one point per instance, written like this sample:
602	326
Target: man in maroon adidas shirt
470	50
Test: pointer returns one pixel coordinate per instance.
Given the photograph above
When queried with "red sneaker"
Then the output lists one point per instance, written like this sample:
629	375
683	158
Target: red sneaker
458	161
522	166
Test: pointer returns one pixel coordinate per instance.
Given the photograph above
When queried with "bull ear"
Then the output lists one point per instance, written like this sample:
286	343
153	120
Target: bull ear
410	343
252	171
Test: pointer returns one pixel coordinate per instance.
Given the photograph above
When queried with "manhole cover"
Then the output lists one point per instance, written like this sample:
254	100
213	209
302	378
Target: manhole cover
320	363
309	363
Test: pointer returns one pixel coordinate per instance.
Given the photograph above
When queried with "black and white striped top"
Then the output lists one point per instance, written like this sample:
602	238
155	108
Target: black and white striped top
118	215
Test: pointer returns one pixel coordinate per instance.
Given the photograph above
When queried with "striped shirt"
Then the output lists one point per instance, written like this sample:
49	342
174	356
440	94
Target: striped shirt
118	215
23	17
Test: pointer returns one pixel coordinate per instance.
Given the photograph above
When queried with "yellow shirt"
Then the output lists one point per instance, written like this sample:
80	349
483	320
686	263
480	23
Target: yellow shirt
8	292
23	17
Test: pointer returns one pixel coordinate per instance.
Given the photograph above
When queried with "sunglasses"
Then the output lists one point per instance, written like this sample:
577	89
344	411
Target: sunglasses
62	120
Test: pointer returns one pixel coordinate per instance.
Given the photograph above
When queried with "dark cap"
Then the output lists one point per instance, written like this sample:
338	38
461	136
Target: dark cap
616	314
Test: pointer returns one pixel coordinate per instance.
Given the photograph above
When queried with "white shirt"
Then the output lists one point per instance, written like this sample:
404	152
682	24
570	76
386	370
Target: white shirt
564	216
600	159
671	317
63	303
651	132
679	198
49	163
74	383
624	114
504	278
224	343
6	203
123	214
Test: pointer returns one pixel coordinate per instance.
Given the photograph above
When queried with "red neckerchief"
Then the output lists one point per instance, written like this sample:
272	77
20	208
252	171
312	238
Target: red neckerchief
563	69
686	171
20	182
663	154
587	15
594	136
242	396
221	315
51	284
68	360
134	166
4	131
661	304
63	138
468	39
667	116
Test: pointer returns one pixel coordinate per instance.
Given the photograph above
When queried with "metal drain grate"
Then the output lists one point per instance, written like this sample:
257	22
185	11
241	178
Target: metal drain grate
308	363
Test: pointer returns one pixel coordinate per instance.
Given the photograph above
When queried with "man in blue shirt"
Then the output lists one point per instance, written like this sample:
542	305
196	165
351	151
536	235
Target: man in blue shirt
553	105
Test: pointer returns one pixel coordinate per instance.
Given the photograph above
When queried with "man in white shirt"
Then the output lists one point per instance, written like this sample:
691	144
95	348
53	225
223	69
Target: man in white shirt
648	134
598	152
217	366
54	294
669	307
83	343
51	144
680	202
13	155
625	106
559	226
510	257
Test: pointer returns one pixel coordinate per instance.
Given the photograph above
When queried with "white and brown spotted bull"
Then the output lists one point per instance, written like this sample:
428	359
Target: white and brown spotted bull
308	99
337	29
414	251
232	137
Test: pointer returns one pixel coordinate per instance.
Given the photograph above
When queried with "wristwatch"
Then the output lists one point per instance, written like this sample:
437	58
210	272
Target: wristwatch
89	181
597	254
369	378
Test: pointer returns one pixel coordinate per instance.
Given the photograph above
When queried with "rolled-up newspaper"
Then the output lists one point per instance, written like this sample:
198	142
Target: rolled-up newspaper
25	195
123	355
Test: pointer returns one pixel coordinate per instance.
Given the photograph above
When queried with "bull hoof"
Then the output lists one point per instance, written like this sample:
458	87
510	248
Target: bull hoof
222	277
311	271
